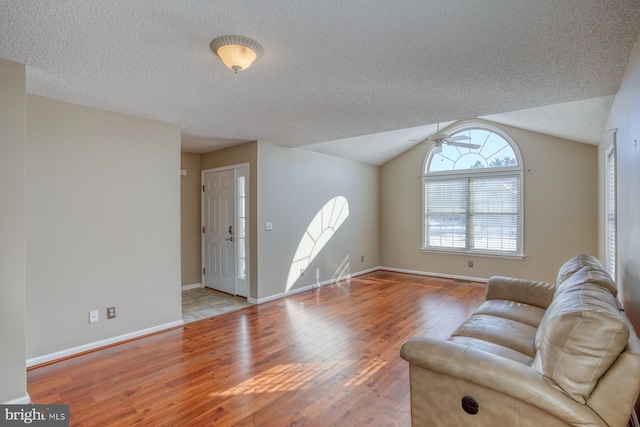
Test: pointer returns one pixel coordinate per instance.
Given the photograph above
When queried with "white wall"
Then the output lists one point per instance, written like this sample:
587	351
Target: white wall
293	186
625	116
13	377
103	224
560	211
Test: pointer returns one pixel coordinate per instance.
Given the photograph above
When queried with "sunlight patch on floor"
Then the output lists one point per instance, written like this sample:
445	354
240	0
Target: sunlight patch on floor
300	376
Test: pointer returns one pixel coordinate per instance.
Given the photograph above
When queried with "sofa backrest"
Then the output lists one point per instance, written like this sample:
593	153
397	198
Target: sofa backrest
588	274
581	335
586	265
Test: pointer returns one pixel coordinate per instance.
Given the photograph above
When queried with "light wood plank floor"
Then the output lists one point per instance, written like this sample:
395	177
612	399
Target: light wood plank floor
327	357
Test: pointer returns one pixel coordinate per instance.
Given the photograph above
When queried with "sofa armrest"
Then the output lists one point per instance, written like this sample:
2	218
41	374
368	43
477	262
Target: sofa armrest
495	373
530	292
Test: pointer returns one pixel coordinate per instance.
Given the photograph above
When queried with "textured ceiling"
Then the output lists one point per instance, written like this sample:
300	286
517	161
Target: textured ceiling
358	79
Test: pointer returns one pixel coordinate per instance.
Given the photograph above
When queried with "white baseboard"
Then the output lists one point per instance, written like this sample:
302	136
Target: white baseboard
24	400
368	270
282	295
360	273
427	273
309	287
102	343
191	286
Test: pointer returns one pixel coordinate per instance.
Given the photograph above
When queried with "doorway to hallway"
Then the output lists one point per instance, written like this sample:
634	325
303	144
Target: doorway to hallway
225	265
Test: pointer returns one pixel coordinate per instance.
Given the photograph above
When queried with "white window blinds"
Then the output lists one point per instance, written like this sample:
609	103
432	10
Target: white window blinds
480	214
611	213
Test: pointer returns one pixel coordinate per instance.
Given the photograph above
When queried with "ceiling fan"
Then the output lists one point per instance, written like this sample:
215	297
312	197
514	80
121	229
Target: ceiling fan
438	139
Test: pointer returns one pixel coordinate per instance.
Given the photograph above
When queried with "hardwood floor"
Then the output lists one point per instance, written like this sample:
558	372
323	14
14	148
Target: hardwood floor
324	357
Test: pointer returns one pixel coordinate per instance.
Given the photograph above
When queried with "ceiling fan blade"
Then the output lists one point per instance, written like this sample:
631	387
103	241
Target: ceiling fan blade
459	138
462	144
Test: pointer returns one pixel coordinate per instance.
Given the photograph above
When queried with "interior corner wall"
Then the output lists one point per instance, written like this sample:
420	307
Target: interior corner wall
190	234
239	154
303	195
625	117
13	376
560	211
103	225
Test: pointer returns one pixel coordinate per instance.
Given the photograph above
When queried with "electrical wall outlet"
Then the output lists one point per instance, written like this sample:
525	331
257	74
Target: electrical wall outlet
470	263
111	312
93	316
362	258
302	271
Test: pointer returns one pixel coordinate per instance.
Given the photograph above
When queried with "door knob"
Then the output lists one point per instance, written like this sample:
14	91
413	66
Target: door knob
229	239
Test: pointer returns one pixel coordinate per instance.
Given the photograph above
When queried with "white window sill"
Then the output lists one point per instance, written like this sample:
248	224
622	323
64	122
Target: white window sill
471	253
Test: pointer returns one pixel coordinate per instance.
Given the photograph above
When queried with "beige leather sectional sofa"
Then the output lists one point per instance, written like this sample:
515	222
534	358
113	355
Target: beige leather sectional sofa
533	354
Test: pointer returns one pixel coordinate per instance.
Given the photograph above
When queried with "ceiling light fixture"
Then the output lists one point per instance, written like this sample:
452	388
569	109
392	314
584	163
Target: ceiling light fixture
237	52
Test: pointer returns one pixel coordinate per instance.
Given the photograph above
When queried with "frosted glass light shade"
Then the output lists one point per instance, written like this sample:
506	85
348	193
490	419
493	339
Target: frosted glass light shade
236	57
237	52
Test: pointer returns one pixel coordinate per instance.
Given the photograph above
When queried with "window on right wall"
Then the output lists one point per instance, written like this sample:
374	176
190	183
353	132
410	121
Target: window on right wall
472	197
611	209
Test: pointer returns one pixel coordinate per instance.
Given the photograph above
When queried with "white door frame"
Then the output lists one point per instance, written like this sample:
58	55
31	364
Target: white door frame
241	286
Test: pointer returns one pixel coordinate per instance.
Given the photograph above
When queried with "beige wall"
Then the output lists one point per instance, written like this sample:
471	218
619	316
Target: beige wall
293	187
13	377
190	234
625	116
103	215
245	153
560	211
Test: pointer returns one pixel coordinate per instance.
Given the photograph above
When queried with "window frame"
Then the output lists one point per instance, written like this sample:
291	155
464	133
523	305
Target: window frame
468	174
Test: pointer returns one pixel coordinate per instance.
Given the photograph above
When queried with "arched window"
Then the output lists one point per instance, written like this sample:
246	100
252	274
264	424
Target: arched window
473	194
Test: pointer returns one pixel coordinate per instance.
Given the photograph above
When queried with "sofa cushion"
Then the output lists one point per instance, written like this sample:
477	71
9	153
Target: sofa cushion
493	348
576	263
580	336
588	274
508	333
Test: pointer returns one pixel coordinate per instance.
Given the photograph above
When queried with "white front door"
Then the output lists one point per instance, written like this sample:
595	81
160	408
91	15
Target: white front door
219	234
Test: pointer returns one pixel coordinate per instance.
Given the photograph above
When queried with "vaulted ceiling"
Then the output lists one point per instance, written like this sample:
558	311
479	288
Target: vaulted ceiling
359	79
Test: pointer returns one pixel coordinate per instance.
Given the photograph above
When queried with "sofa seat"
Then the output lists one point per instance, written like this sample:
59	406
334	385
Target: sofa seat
507	333
493	348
